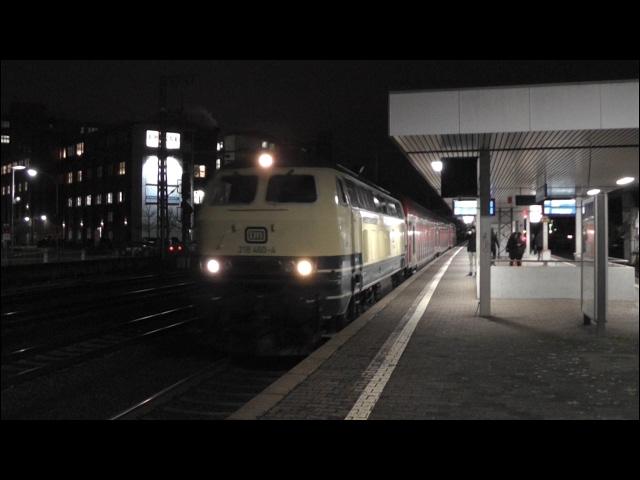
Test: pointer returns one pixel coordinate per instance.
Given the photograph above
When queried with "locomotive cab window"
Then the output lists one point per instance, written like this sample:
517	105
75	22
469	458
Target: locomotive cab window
234	189
292	189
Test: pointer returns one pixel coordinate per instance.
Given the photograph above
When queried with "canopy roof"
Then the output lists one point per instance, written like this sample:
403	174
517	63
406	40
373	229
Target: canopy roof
576	136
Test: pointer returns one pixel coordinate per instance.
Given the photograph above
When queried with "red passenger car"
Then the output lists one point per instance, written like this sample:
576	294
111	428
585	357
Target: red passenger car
427	236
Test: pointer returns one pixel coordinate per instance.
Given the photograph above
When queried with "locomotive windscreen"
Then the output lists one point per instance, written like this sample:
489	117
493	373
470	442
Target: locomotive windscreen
232	189
459	177
292	188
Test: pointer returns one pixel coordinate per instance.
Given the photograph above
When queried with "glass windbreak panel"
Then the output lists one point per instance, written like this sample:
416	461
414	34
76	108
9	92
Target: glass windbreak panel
588	259
292	189
233	189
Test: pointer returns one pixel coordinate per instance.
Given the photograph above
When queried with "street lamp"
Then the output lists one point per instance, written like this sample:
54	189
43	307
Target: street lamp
32	172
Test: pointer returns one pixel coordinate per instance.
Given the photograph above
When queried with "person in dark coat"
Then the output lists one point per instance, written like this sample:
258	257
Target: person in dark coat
495	244
516	246
471	250
537	244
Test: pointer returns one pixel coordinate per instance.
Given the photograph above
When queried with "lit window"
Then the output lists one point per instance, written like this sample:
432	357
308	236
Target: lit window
153	138
69	202
79	176
109	198
200	171
218	163
125	221
3	190
120	197
220	146
122	168
63	153
26	185
19	187
265	144
6	139
198	196
69	177
70	150
78	201
88	201
173	141
80	149
98	199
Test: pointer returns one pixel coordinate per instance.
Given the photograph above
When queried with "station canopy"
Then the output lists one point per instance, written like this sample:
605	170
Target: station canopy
571	137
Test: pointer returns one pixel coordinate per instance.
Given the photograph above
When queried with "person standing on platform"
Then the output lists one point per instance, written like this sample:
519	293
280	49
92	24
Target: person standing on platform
471	250
516	246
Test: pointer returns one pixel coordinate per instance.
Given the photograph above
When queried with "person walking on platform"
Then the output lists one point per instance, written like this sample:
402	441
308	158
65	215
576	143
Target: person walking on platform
515	247
537	244
471	250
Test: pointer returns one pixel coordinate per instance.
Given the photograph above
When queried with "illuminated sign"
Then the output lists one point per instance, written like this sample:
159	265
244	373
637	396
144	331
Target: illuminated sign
470	207
560	207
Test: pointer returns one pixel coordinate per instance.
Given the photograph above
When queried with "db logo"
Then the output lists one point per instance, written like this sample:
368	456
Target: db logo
255	235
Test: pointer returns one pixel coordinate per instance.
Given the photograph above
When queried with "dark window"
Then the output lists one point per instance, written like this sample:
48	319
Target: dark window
391	208
291	189
353	193
366	199
234	189
399	209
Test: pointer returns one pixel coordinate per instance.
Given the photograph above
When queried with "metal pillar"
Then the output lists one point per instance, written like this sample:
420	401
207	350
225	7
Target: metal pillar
162	196
484	234
527	227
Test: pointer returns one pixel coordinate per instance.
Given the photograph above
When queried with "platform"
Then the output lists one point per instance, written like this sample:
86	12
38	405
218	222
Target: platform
532	359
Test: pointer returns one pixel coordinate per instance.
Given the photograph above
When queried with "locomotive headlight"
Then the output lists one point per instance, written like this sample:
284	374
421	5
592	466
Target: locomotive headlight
213	266
265	160
304	267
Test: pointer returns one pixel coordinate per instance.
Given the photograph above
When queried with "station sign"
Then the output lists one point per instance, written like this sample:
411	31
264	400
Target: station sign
560	207
470	207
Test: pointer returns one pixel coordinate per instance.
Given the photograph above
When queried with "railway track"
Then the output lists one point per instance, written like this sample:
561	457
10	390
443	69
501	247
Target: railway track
73	307
34	361
81	294
212	393
27	294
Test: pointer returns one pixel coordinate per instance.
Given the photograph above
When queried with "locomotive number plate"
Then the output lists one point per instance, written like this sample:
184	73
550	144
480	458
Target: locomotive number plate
255	235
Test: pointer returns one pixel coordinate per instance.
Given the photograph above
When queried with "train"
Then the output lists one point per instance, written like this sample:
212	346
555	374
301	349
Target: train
292	251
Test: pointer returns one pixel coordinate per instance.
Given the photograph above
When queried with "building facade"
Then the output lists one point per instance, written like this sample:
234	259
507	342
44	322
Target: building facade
110	180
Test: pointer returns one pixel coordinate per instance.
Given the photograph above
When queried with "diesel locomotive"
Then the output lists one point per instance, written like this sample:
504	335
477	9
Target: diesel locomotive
291	251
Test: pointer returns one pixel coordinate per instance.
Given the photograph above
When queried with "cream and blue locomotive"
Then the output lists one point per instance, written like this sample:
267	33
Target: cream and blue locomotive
298	248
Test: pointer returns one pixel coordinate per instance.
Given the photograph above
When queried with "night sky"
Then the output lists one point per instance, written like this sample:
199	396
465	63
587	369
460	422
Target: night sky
297	100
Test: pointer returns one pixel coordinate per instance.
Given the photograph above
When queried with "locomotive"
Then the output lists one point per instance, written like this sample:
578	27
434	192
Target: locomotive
292	251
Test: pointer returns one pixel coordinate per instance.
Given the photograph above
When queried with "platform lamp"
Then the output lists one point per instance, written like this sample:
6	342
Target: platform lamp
13	198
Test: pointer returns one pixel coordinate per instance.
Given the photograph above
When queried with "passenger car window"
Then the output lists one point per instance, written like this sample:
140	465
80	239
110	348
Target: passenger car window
232	189
292	189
